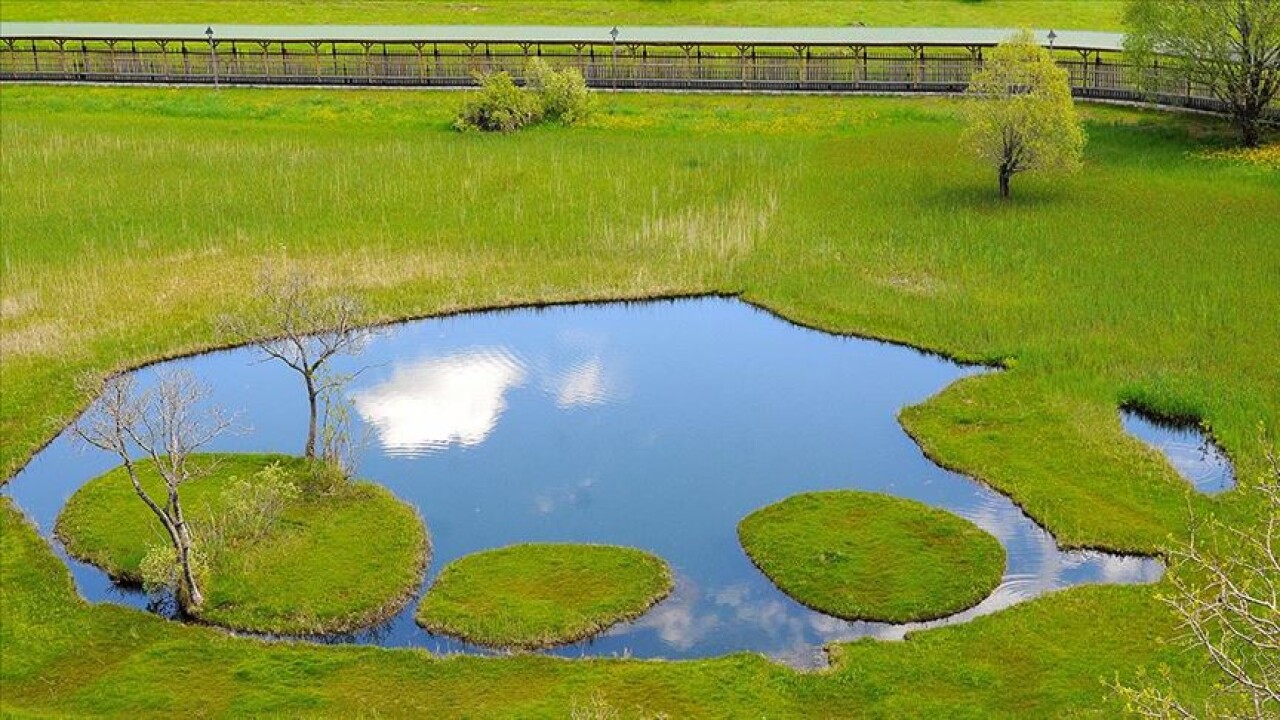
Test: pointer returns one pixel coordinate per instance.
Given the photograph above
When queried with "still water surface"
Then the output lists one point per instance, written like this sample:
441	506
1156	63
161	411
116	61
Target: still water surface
655	425
1196	457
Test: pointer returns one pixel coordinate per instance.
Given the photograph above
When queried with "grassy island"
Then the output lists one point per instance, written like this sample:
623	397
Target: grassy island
867	556
334	561
540	595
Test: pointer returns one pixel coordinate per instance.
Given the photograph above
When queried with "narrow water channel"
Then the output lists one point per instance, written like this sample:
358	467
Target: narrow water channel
656	425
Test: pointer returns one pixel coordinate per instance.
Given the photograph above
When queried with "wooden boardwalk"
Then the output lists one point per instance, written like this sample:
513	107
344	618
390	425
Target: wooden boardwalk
852	59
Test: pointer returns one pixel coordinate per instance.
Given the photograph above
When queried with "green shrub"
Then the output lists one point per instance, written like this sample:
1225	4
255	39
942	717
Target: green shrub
253	507
500	106
160	570
563	93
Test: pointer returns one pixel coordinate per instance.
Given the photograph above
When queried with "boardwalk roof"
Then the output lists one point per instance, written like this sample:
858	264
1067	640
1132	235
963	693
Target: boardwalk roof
551	34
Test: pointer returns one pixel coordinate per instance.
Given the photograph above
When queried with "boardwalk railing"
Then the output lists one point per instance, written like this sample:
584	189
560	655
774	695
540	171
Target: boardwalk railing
883	60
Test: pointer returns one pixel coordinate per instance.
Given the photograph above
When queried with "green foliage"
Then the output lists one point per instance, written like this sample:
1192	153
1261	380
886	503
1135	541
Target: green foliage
866	556
560	96
563	93
1230	46
253	508
499	106
160	570
277	560
1021	116
539	595
324	478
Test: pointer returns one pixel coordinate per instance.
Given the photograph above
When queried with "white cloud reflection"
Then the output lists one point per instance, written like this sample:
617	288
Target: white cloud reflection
583	383
430	404
677	620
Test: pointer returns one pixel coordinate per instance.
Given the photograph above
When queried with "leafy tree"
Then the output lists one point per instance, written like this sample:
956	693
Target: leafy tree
1230	46
166	424
1020	113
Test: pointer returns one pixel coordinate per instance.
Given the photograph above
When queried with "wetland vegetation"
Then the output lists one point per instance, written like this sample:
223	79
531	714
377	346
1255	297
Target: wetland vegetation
1139	282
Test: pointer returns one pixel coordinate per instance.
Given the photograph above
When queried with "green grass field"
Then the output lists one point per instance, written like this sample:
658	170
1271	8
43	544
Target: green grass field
334	562
133	218
868	556
1077	14
542	594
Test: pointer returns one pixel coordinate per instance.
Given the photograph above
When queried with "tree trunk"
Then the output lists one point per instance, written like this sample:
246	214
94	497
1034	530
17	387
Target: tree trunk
189	594
176	527
1250	133
1005	176
310	451
189	590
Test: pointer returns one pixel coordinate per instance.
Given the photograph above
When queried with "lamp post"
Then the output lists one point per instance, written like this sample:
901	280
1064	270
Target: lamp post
1052	36
613	66
213	55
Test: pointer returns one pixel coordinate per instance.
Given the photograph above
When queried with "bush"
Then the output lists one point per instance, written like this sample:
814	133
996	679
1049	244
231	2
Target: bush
253	507
325	478
564	95
160	569
500	106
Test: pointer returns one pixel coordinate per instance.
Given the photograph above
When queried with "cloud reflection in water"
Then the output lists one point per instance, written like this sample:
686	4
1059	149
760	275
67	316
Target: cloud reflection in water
429	404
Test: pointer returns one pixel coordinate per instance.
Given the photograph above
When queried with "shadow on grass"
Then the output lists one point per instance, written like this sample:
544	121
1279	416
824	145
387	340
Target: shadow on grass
985	196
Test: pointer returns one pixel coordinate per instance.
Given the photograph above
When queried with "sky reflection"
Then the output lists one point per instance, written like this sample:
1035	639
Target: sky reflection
656	425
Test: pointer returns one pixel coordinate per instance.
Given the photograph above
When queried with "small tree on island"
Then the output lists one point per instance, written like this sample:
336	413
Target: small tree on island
304	330
1230	46
166	424
1020	114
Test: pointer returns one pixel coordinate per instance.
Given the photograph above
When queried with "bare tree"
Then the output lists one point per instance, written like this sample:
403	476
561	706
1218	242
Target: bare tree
1230	46
304	330
1226	583
167	426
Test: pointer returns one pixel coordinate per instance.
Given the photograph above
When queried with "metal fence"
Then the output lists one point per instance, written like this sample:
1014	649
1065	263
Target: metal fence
1094	74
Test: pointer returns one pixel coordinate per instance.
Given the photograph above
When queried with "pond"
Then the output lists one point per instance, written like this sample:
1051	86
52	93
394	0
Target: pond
1192	453
655	425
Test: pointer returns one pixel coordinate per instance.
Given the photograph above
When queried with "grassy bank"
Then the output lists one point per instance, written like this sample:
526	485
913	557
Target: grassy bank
133	218
866	556
542	594
1045	658
331	562
1087	15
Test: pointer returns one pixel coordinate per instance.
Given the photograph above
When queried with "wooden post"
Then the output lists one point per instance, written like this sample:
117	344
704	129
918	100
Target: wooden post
266	61
164	57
